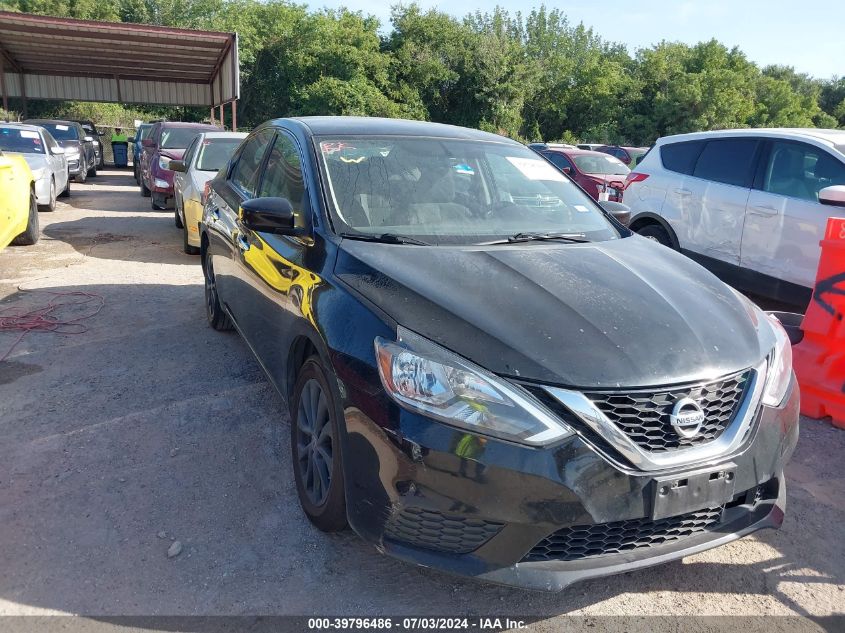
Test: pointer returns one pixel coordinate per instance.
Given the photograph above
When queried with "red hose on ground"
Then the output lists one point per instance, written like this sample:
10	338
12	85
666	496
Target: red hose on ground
48	318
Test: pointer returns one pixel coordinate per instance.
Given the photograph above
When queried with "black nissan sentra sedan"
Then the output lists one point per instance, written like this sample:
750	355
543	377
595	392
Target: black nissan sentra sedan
486	372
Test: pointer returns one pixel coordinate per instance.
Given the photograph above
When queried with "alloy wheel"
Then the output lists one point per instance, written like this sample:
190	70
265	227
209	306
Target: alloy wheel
314	442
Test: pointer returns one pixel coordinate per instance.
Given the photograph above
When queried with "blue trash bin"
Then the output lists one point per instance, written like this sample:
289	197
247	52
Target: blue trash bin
121	154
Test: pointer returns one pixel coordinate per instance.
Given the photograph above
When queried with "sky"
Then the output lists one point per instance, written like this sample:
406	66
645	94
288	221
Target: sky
806	35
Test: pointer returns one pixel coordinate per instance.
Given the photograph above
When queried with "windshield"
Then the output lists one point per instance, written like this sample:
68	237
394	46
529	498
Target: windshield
214	153
453	191
178	137
601	164
22	141
61	131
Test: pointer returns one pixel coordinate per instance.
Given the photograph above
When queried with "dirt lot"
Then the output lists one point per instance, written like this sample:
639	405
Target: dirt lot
151	427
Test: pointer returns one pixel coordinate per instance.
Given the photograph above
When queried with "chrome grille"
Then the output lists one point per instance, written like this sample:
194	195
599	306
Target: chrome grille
644	415
602	539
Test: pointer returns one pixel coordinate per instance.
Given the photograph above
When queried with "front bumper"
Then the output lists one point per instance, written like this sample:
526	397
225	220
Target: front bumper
482	513
74	166
42	190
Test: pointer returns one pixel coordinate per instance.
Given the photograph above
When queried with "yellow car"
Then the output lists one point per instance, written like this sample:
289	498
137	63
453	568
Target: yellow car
18	206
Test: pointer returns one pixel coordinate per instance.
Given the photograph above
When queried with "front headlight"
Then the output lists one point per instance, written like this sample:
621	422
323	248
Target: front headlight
780	366
73	154
163	162
424	377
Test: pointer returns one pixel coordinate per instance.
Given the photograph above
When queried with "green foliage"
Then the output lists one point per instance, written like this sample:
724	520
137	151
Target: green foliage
532	77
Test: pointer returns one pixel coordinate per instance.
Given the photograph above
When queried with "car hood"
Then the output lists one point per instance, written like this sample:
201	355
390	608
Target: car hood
36	161
624	312
608	178
175	154
69	144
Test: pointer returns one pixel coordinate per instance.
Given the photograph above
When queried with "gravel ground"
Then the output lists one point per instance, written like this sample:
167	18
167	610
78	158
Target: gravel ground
150	428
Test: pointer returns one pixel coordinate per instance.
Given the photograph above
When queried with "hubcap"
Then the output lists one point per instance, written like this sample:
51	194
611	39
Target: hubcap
210	288
314	442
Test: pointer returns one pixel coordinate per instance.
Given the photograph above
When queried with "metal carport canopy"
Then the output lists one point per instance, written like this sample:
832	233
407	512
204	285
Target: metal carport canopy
45	57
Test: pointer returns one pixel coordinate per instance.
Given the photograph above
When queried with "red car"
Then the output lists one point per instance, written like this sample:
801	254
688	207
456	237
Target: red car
595	172
166	141
628	155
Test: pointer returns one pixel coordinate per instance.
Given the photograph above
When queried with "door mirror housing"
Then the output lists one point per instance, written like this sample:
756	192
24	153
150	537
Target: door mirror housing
620	212
56	151
567	171
269	215
833	196
178	165
148	142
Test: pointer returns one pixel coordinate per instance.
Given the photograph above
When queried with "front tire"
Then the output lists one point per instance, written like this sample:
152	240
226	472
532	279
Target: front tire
217	318
32	233
66	192
186	246
50	206
177	217
315	447
82	176
145	191
656	233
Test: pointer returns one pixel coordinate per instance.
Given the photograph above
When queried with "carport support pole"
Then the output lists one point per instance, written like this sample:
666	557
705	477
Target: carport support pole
235	115
22	79
212	115
3	84
222	119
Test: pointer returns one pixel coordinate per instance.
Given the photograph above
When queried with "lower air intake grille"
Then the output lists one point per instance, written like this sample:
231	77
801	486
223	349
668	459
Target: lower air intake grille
602	539
440	532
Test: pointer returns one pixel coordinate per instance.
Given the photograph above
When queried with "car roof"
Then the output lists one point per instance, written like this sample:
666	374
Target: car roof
576	151
174	124
375	126
830	137
23	126
211	135
58	121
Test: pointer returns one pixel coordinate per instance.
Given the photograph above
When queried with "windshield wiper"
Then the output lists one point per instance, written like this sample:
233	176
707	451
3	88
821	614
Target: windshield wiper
574	238
387	238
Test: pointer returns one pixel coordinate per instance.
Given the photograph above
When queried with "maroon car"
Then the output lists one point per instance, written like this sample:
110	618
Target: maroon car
167	141
595	172
628	155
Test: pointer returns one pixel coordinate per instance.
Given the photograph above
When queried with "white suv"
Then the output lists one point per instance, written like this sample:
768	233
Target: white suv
750	205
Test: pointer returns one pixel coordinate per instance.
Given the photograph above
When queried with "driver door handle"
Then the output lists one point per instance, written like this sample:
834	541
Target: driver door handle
683	192
763	210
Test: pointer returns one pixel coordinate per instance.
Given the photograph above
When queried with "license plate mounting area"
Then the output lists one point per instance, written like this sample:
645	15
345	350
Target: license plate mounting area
681	493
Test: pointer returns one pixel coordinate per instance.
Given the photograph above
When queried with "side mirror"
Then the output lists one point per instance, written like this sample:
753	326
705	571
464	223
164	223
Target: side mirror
833	196
567	171
268	215
148	142
178	165
57	150
620	212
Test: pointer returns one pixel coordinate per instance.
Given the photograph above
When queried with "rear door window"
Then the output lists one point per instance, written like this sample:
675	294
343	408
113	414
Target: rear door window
729	161
681	157
558	160
800	171
245	172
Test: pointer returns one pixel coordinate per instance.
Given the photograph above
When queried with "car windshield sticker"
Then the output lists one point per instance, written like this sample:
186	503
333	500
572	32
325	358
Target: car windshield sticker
580	208
30	134
464	169
536	169
63	128
332	147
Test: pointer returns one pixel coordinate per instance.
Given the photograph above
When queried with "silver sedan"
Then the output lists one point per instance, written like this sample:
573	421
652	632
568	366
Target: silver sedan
45	157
